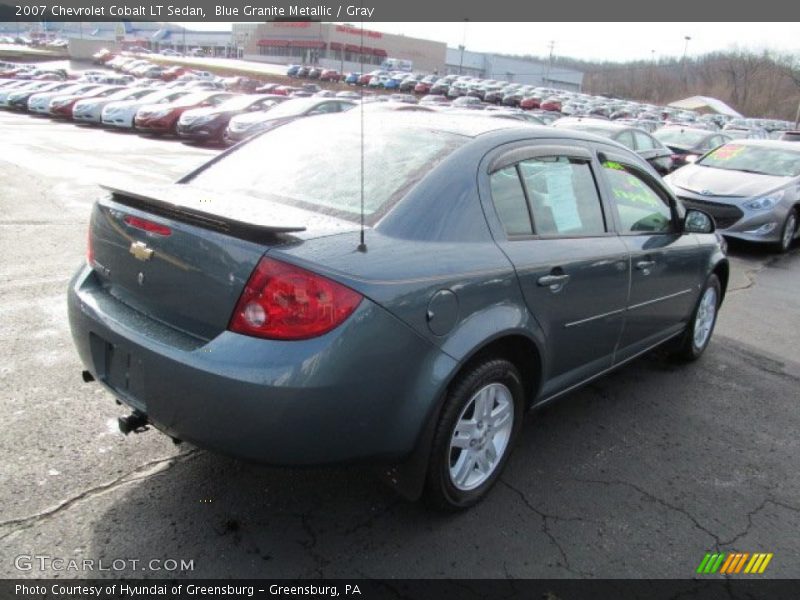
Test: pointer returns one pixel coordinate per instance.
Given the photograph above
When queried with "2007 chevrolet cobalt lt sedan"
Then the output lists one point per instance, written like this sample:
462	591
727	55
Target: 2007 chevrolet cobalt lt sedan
501	266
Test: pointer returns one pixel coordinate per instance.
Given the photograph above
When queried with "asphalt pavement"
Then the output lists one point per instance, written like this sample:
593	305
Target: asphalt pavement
637	475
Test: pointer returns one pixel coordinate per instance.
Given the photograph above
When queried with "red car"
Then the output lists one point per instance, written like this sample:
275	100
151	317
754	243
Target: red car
63	105
330	75
365	79
530	102
285	90
551	104
173	73
163	118
422	87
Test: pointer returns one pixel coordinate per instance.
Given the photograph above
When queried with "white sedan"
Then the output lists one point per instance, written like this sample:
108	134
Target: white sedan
90	109
122	113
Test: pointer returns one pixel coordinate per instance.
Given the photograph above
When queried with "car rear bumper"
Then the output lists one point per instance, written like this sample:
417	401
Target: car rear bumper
364	391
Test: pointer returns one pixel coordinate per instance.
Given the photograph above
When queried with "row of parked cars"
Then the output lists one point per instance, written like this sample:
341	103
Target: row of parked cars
186	108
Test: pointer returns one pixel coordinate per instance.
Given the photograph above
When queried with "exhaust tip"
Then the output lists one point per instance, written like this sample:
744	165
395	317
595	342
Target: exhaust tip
135	422
87	376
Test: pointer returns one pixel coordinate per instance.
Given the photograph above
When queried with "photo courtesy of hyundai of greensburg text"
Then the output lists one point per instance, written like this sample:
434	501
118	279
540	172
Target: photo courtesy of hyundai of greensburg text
391	300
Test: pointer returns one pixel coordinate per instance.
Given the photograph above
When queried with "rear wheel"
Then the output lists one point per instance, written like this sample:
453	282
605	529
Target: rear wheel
698	331
788	231
479	422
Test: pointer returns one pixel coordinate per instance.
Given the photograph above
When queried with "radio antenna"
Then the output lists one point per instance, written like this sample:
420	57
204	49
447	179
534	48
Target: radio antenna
362	246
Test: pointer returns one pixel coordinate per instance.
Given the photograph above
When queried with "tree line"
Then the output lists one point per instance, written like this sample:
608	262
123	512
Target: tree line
762	84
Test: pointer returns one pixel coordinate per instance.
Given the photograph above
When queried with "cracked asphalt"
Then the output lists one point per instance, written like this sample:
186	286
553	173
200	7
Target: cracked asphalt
637	475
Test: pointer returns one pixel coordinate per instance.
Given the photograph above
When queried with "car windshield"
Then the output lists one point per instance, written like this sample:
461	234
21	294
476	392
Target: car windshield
316	164
681	137
754	159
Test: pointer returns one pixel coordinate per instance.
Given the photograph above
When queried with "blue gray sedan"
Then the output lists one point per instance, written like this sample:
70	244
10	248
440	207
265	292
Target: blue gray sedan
402	296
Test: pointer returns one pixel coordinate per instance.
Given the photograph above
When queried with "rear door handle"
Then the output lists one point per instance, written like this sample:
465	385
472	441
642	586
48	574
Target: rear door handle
553	281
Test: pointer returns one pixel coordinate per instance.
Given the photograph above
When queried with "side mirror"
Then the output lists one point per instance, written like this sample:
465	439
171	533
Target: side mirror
696	221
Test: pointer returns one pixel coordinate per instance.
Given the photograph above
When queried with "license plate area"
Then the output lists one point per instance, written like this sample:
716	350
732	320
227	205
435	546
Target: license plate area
120	369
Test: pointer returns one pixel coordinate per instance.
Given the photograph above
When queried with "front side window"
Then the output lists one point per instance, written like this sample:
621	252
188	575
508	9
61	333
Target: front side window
640	208
563	197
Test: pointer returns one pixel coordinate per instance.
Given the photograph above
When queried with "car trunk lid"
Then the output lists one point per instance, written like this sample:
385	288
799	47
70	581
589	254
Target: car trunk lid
181	255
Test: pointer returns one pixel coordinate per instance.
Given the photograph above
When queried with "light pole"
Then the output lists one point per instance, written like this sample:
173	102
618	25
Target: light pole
685	72
461	62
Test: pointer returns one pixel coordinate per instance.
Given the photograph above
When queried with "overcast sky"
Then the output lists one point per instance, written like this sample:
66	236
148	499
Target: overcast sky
596	41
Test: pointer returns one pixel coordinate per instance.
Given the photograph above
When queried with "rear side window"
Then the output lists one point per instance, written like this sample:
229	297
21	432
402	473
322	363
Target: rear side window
509	201
644	141
626	139
563	197
640	208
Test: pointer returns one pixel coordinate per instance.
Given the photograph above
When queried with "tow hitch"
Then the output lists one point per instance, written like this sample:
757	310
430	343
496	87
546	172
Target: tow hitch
135	422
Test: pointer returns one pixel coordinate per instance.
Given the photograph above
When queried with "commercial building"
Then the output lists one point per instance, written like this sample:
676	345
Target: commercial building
334	46
508	68
124	34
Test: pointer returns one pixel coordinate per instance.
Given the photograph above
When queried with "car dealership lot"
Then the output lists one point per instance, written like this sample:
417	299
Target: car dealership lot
651	461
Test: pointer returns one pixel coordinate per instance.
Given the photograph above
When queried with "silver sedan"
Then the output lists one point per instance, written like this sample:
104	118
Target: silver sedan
750	187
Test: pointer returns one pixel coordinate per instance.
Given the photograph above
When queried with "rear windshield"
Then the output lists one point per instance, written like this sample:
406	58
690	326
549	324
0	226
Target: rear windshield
680	137
754	159
315	163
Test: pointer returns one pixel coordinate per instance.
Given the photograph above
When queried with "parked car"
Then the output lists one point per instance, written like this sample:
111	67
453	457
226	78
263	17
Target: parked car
790	136
40	103
253	325
121	114
163	118
641	142
244	126
61	106
102	56
688	144
90	110
28	86
750	187
208	124
172	73
330	75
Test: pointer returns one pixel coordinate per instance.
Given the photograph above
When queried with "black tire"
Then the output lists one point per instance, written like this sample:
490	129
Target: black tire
790	222
440	489
686	349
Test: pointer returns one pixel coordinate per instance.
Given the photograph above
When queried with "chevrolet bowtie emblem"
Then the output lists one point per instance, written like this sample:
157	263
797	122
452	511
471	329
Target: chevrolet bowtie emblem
141	251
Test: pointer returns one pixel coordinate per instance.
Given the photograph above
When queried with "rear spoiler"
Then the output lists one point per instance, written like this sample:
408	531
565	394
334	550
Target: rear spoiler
183	203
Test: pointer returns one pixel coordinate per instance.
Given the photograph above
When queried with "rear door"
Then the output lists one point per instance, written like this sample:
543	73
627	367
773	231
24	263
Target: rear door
572	269
665	263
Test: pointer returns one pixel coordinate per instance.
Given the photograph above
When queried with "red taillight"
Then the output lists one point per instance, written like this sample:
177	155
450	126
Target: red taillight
89	247
148	226
284	302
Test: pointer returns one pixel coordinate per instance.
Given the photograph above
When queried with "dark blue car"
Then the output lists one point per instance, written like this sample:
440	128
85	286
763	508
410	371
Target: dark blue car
293	70
281	305
352	78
